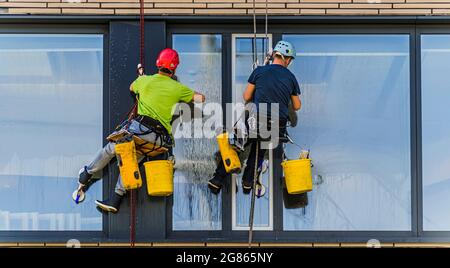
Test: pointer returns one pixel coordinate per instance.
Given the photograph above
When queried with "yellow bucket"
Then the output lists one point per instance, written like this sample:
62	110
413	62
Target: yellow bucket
128	165
229	155
298	176
159	175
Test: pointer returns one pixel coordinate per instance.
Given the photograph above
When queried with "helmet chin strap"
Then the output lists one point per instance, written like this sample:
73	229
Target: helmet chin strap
284	59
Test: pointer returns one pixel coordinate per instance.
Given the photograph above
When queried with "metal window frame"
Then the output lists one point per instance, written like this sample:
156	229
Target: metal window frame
314	236
413	128
169	211
420	31
362	236
235	226
63	236
180	235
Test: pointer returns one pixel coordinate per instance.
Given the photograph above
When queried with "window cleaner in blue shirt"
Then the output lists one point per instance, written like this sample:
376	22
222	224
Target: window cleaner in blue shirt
267	85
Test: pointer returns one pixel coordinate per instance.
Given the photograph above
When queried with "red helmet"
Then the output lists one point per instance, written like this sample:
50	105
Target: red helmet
168	59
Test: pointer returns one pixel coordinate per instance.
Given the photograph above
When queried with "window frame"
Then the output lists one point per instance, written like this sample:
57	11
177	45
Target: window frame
235	226
425	30
58	236
169	204
278	234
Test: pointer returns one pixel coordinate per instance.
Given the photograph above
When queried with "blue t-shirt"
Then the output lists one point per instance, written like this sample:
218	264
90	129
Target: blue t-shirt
274	83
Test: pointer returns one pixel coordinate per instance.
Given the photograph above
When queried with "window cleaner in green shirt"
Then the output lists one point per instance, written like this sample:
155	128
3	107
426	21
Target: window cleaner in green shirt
157	95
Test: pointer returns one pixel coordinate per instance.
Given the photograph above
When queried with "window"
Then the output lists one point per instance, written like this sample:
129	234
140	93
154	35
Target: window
242	67
435	132
355	120
51	115
195	207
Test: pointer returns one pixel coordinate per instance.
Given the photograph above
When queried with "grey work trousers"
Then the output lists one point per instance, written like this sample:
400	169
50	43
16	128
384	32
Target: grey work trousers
107	153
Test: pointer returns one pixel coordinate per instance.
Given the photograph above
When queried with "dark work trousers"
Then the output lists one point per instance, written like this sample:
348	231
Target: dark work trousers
249	170
250	167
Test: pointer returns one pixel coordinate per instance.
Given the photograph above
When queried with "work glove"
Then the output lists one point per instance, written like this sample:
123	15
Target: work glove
140	69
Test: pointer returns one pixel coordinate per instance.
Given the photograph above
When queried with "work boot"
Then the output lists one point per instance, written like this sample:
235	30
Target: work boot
247	180
110	205
215	184
247	186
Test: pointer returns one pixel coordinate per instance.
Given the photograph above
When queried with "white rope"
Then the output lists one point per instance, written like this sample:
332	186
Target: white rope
255	53
266	26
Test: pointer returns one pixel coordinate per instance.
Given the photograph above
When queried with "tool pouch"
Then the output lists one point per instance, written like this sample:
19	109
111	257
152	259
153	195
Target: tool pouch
128	165
230	157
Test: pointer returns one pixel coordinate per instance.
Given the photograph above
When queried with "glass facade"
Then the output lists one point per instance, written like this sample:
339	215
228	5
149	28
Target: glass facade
194	206
355	120
435	61
51	114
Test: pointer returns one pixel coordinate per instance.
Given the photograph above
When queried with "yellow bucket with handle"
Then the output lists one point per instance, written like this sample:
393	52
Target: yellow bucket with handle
229	156
159	174
128	165
297	174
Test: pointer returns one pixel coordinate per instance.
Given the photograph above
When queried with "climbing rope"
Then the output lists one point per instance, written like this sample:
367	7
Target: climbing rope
132	218
133	113
142	32
255	51
252	204
266	40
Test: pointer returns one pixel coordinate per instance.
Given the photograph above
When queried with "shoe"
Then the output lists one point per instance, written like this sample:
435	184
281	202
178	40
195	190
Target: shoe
110	205
215	184
247	180
247	186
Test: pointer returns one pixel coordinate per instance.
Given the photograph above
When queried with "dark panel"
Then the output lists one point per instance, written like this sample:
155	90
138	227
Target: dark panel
124	57
226	98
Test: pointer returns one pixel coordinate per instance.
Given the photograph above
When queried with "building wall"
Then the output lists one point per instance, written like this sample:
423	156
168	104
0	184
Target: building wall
227	7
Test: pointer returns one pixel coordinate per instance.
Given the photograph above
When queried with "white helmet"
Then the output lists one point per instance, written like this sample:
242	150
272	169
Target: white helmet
285	49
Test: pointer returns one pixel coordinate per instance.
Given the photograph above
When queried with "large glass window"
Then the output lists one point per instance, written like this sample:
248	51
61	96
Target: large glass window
51	116
355	120
195	207
242	68
436	132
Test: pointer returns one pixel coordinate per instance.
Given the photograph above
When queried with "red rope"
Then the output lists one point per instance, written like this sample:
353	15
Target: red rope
132	218
131	115
142	24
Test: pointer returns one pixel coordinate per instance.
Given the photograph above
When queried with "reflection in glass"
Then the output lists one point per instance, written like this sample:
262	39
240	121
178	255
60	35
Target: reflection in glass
436	132
355	119
51	116
195	207
242	69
